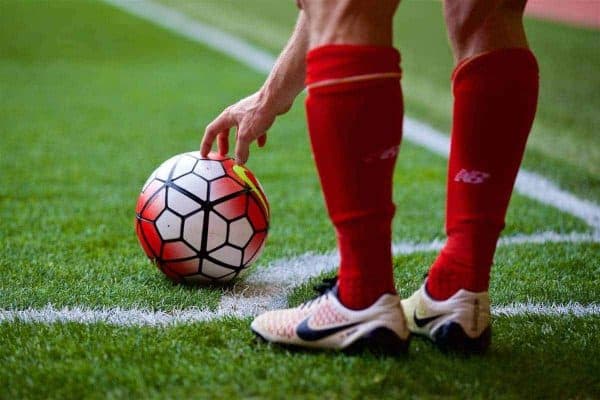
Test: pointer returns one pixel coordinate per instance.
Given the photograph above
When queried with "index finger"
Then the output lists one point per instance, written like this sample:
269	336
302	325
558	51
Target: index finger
221	124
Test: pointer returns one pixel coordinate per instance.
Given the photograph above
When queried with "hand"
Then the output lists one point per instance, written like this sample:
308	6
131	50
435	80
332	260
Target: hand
252	118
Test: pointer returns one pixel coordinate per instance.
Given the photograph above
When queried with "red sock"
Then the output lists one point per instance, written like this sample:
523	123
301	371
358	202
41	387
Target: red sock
354	112
495	97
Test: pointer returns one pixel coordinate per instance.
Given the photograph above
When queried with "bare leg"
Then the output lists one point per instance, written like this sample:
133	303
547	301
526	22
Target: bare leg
350	21
476	26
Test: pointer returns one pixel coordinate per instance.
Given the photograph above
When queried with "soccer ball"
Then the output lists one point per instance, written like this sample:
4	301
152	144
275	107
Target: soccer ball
202	219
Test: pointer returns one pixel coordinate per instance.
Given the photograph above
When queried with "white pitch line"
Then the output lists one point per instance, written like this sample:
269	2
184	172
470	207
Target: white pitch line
547	310
537	187
113	316
267	288
528	184
141	317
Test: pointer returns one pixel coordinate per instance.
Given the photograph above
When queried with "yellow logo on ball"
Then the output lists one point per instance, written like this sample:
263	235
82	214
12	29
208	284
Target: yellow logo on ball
241	171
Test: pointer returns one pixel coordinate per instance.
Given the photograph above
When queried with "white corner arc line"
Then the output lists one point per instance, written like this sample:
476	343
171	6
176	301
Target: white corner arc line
528	184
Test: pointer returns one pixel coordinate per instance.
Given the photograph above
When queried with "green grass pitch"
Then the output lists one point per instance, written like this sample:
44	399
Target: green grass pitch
92	99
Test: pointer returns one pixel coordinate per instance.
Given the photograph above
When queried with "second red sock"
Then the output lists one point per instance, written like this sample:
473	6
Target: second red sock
495	98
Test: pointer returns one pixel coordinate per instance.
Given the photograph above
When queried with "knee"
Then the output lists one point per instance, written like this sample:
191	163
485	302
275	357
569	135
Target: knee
349	21
467	20
465	17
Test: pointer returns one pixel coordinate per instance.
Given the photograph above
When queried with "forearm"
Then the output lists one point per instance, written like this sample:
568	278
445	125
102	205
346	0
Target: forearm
286	79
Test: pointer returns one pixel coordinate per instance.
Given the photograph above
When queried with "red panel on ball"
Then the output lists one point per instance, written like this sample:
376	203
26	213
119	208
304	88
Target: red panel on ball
146	194
223	187
254	246
176	250
151	237
184	267
233	208
228	164
256	215
154	206
172	275
142	240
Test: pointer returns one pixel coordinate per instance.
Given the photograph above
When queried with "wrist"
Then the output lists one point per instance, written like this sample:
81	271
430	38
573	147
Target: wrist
275	100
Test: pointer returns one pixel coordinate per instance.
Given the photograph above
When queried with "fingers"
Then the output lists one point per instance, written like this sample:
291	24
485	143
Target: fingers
219	127
246	134
262	140
250	124
223	143
242	149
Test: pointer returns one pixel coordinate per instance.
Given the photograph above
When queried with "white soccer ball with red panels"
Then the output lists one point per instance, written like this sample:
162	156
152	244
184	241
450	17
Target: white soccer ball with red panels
202	220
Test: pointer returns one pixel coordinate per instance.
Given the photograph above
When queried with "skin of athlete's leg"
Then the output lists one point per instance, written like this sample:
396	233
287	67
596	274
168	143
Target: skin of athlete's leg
474	26
479	26
349	21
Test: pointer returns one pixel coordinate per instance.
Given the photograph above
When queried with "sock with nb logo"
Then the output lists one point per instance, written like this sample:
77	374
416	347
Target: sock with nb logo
354	111
495	98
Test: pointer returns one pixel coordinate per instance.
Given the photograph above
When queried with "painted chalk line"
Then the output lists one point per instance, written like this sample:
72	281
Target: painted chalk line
267	288
140	317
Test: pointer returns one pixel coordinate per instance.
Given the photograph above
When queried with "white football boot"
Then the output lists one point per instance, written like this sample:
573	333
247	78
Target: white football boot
460	323
325	323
